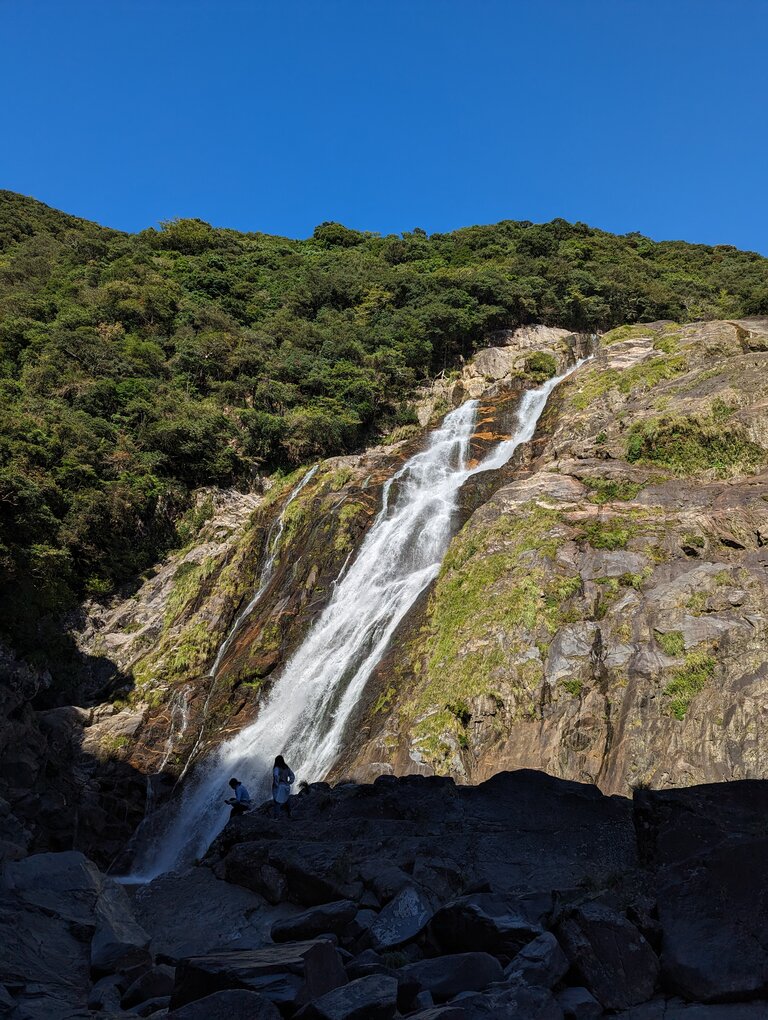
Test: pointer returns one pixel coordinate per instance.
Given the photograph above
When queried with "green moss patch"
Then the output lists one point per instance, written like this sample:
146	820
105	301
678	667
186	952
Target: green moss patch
493	582
609	490
641	377
540	366
688	681
671	642
695	444
610	534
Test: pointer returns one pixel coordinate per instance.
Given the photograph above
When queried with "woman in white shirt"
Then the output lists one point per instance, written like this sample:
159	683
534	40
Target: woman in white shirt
282	780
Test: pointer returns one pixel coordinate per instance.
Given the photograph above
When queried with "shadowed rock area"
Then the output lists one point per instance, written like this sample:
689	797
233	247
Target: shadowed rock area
524	898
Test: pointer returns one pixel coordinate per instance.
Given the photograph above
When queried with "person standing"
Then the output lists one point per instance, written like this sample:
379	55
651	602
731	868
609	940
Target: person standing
282	780
241	802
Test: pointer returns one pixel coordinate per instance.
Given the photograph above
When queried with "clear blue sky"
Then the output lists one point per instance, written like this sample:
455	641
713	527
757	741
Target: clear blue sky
275	115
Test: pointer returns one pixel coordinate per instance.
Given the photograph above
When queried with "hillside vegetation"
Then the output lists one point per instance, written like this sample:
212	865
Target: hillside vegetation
135	368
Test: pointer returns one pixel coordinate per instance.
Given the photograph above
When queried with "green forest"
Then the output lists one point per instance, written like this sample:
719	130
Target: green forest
137	367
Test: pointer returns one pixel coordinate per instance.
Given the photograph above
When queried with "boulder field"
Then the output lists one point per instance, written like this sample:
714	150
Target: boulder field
524	898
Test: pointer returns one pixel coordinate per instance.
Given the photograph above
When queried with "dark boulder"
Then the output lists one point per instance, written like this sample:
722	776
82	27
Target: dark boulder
401	920
367	998
151	1006
307	873
446	976
610	955
516	1003
284	974
154	983
330	917
483	921
706	847
447	1012
579	1004
235	1004
676	1009
542	962
711	916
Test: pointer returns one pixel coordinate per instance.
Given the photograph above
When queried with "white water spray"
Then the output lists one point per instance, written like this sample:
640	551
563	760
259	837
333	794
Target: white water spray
309	706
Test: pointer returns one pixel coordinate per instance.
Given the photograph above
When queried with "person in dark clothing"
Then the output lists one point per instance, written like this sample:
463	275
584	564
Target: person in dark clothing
241	802
282	780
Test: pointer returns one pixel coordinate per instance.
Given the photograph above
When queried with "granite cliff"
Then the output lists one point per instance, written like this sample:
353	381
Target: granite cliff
600	612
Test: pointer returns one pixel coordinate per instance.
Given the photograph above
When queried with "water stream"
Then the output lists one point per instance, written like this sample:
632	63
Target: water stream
309	706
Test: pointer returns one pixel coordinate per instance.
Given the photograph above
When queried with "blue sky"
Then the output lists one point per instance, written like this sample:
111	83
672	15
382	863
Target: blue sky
647	115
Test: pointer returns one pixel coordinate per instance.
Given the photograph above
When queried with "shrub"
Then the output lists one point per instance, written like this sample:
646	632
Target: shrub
540	366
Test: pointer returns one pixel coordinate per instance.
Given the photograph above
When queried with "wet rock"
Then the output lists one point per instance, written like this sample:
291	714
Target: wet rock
579	1004
446	976
234	1004
542	962
330	917
401	920
610	955
367	998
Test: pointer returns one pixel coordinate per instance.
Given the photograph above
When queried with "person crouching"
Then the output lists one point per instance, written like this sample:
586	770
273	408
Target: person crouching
241	802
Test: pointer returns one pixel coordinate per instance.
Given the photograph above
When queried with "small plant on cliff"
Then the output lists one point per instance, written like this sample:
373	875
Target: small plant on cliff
540	366
573	686
608	534
688	681
671	642
609	490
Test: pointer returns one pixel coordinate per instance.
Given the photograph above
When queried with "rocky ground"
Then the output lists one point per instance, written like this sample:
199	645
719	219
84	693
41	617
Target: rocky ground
525	898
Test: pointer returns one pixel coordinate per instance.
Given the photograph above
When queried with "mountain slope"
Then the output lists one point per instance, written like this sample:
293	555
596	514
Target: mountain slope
136	368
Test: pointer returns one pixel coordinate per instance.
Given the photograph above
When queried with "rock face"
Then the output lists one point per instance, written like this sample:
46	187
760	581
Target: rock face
84	922
602	613
706	846
536	899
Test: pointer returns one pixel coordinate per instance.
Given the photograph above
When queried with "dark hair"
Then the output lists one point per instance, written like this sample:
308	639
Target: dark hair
234	782
280	762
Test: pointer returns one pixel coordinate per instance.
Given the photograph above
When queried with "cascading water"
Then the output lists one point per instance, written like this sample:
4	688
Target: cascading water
309	706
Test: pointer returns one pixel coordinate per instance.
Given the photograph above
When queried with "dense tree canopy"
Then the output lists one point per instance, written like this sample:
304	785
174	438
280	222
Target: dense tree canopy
134	368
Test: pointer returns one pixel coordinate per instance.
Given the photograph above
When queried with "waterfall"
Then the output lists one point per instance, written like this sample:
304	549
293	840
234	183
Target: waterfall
307	710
